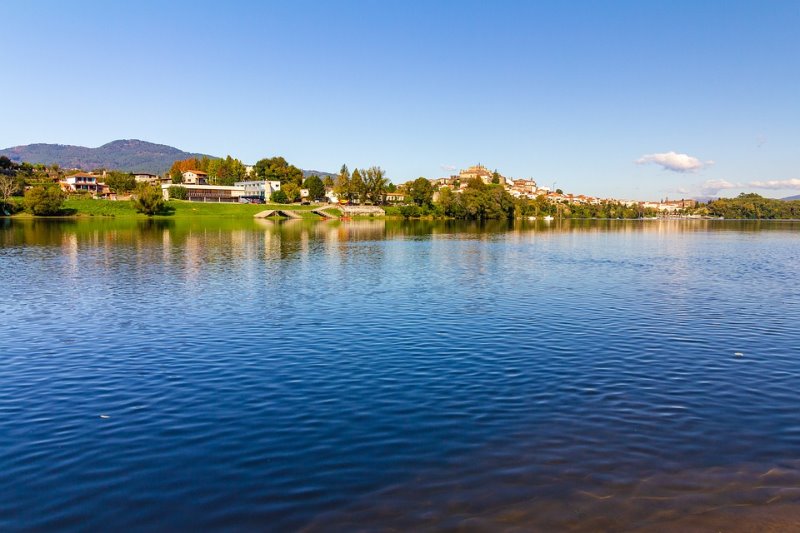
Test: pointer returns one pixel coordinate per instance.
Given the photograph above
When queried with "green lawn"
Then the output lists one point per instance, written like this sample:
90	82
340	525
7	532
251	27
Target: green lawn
89	207
107	208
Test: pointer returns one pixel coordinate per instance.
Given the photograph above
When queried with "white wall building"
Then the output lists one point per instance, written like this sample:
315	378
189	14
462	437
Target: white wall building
207	193
258	189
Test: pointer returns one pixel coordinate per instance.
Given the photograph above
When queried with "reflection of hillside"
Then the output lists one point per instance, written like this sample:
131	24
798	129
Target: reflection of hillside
236	238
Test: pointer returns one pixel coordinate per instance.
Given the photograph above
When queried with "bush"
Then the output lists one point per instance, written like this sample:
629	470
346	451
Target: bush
278	197
409	211
178	193
45	201
149	200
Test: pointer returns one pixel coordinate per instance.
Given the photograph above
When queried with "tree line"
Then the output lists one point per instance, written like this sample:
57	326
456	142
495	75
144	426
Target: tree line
366	186
750	206
482	201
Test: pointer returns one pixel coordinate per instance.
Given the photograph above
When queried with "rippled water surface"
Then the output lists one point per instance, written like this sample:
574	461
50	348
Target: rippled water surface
373	375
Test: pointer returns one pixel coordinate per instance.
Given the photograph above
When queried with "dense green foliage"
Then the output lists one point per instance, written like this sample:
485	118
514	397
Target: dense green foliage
409	211
751	206
366	186
279	197
420	191
149	200
277	169
45	201
176	192
120	182
292	192
316	189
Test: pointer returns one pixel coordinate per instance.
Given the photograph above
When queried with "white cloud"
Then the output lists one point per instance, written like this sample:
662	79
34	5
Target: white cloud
711	187
793	183
676	190
447	168
674	161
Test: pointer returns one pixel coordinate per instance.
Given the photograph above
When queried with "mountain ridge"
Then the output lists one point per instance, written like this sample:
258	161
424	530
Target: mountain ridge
131	155
128	155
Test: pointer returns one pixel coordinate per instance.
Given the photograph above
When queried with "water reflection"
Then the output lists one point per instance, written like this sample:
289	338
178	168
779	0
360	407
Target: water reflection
49	231
271	375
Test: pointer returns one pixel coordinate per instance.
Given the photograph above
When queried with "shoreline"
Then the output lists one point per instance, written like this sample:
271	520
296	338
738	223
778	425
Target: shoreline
118	209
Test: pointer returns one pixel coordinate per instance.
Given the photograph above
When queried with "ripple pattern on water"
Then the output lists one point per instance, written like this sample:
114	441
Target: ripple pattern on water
286	376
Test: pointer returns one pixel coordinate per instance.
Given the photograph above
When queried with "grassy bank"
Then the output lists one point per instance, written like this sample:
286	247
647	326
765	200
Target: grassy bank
110	208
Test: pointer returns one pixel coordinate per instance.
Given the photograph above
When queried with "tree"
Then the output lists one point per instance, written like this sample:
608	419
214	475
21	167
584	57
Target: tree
343	188
149	200
179	167
277	169
120	182
316	189
45	201
176	192
328	182
358	188
8	186
375	184
278	197
409	211
421	192
226	171
451	203
292	192
496	177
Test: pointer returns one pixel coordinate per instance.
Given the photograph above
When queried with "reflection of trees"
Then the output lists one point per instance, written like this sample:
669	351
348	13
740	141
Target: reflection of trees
215	240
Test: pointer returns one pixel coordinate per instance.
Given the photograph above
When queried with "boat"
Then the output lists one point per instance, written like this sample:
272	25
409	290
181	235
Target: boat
548	218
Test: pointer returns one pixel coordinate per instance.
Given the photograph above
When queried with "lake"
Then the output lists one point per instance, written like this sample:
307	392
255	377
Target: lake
317	376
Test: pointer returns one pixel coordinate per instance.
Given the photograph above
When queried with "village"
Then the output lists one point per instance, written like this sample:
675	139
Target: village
195	186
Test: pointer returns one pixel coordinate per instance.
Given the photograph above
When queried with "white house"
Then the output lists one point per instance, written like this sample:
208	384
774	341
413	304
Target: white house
258	189
82	181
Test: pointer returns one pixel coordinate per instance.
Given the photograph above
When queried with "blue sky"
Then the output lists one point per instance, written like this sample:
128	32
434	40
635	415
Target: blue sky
641	99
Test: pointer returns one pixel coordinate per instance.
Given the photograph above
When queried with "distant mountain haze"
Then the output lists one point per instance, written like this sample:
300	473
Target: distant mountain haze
129	155
795	197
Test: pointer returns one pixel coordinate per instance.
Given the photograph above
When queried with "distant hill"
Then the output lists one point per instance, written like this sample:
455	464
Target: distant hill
129	155
307	173
795	197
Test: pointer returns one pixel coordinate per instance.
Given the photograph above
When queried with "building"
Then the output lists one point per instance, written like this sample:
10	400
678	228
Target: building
524	187
331	196
477	171
208	193
451	182
395	197
83	182
195	177
258	190
150	179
